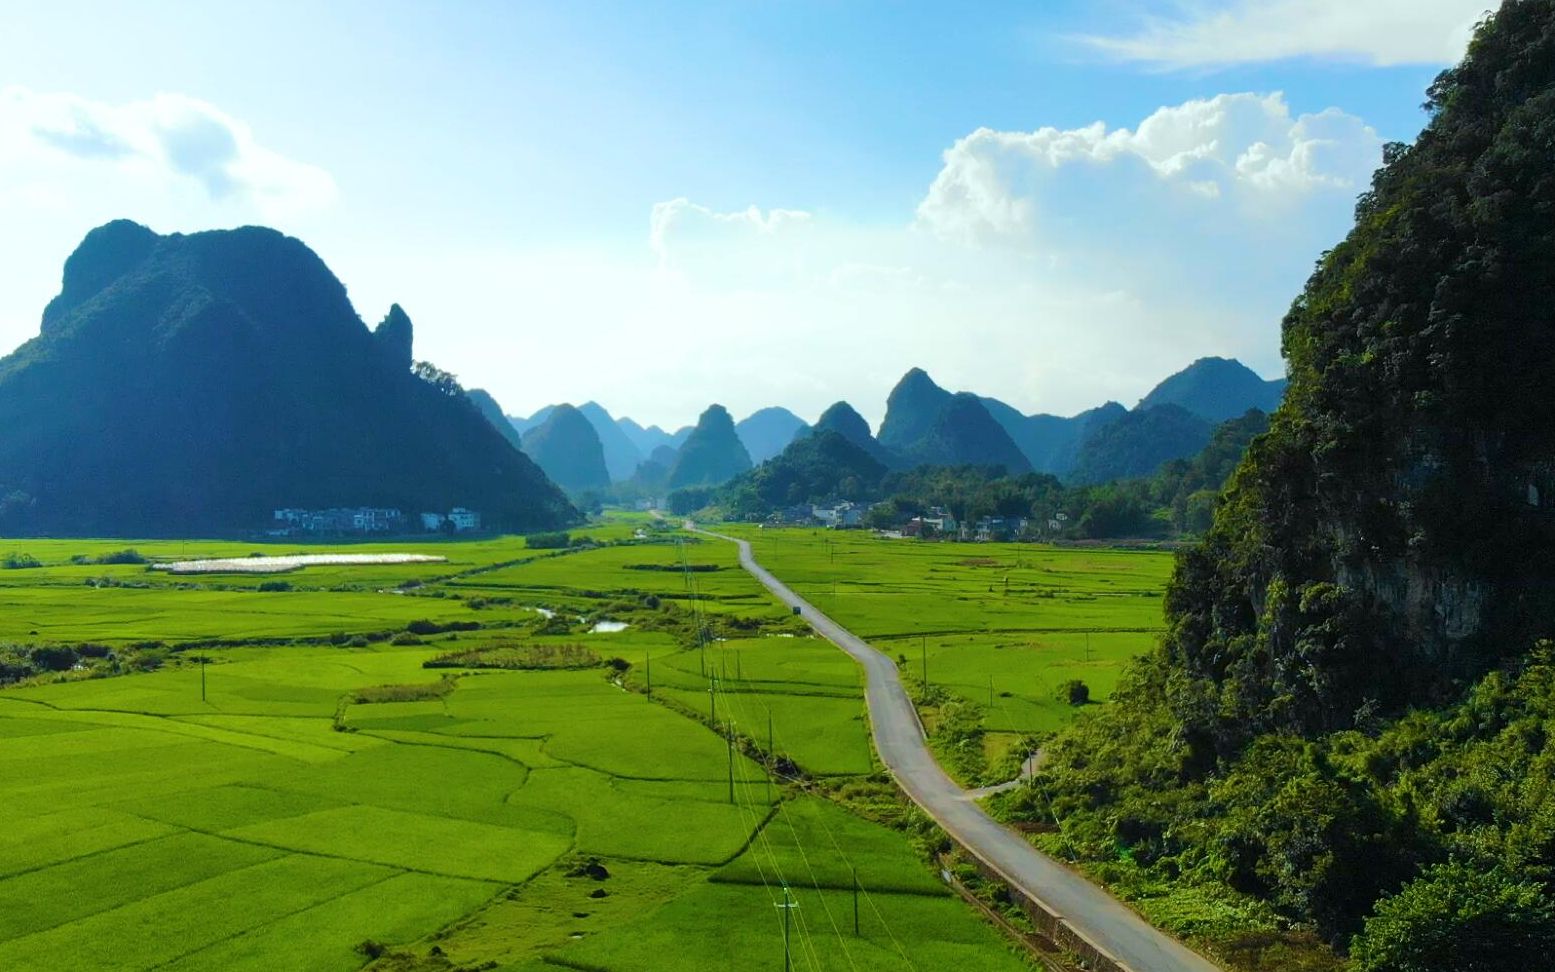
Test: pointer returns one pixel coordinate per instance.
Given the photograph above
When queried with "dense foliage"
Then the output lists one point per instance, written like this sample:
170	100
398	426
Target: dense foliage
193	384
1138	443
1351	712
813	469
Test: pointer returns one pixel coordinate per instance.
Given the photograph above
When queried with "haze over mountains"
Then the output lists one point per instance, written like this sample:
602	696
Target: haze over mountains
927	424
192	384
164	395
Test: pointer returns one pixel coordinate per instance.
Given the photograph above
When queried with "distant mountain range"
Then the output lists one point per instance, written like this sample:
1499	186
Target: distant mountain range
627	445
926	424
191	384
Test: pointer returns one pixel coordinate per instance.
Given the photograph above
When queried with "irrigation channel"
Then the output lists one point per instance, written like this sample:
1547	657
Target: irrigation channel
1084	912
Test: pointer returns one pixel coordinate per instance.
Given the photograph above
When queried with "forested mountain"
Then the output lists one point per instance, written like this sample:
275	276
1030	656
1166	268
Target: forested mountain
840	417
823	465
1138	443
193	384
1348	727
712	454
768	431
567	447
1216	389
911	409
1051	443
621	454
963	433
488	407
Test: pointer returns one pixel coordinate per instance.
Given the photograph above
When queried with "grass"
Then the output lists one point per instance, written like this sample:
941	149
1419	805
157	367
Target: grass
1002	626
224	823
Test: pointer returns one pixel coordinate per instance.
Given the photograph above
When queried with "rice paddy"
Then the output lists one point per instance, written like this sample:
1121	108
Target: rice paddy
294	788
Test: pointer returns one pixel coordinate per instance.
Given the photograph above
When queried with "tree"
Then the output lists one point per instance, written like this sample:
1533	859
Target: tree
1458	918
443	381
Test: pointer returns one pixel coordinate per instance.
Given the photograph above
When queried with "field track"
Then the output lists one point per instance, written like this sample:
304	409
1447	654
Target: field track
1105	922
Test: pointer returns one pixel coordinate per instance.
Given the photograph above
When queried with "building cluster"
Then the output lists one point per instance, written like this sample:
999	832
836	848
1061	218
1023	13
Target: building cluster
843	515
369	519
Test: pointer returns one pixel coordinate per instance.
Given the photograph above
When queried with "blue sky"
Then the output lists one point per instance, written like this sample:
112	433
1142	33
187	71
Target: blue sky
662	205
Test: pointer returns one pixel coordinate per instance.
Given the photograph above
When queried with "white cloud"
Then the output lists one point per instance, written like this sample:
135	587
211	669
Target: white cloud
695	224
1377	32
168	138
1247	148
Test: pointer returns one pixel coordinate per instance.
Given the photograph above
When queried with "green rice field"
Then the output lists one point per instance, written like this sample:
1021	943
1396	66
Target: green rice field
281	783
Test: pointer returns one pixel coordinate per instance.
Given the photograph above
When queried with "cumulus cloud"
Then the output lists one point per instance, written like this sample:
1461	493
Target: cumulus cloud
169	136
693	224
1245	147
1377	32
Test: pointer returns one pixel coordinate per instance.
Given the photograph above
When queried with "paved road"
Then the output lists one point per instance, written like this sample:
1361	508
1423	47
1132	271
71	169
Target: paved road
1096	915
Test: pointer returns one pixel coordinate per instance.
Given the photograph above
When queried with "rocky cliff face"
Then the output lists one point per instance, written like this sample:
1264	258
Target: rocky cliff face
1393	533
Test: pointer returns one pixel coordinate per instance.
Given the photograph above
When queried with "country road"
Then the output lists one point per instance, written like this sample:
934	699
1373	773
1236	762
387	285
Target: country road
1099	918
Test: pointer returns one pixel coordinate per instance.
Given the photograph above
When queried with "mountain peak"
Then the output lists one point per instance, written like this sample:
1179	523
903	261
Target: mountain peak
566	445
911	409
1216	390
712	454
768	431
396	336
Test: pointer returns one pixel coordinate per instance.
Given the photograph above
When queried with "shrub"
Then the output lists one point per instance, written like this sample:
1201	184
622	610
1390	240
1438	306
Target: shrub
20	561
425	627
54	658
148	660
548	541
274	585
360	641
1074	692
405	638
129	555
520	657
1454	917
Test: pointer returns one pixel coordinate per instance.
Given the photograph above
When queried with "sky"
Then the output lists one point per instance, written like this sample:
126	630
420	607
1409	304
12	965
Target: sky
659	206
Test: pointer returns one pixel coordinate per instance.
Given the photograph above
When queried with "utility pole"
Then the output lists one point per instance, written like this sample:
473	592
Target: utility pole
712	703
788	906
648	670
202	678
771	756
731	762
855	902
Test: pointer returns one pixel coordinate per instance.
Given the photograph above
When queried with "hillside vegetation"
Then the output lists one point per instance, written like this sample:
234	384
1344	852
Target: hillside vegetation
188	384
1345	733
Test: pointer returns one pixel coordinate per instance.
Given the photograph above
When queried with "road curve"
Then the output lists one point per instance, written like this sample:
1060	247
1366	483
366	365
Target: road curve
1098	917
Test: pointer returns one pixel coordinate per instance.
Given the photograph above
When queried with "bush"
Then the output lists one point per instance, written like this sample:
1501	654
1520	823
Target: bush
424	627
1074	692
405	638
360	641
129	555
1458	917
20	561
273	585
54	658
148	660
559	540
